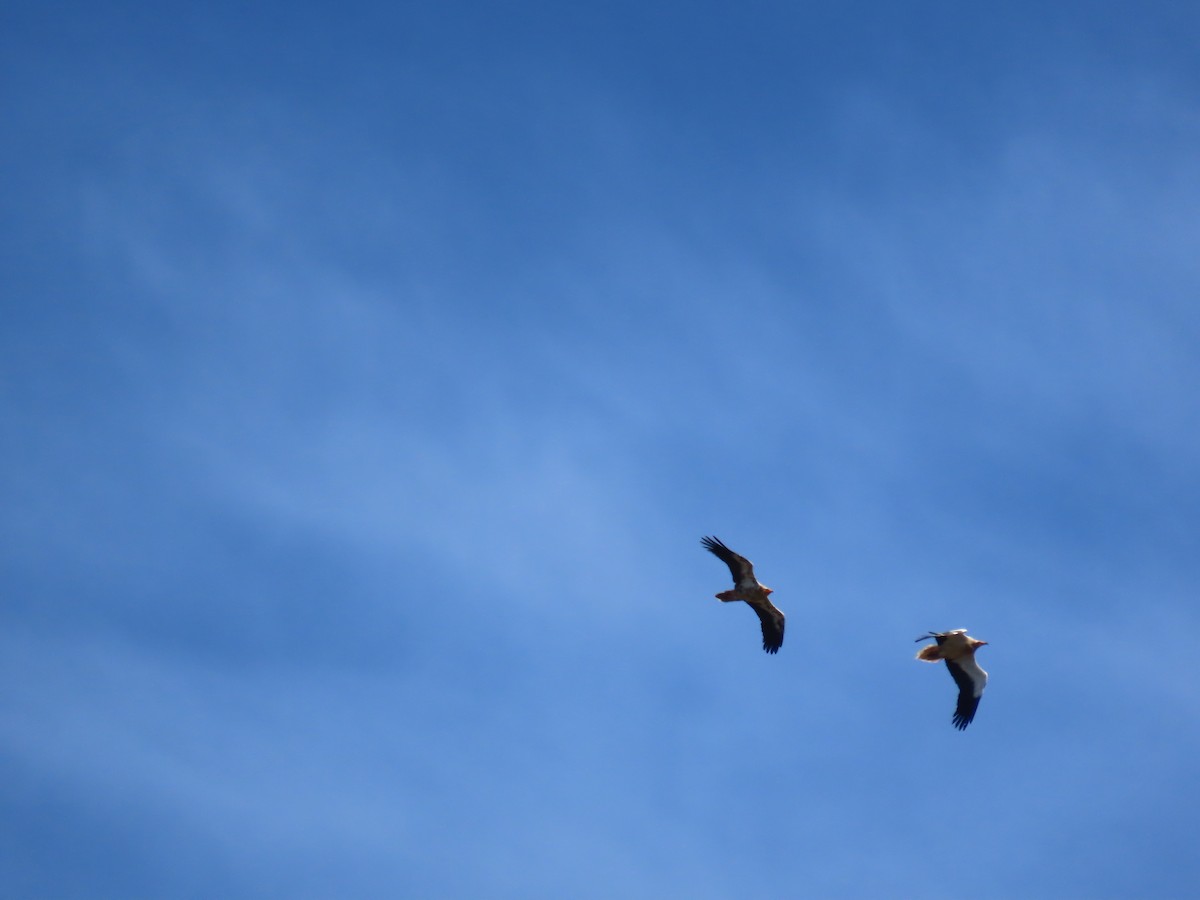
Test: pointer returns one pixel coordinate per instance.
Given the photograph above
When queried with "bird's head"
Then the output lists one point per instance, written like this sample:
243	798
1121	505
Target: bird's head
768	591
975	645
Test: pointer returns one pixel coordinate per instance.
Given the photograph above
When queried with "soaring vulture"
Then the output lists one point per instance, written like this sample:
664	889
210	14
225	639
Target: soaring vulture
957	648
746	587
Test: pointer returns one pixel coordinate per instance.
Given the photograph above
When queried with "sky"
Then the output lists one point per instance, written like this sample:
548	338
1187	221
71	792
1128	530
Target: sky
370	372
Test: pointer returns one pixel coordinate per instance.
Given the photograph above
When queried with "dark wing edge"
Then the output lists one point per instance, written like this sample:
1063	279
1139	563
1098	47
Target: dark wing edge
772	626
941	636
739	567
964	712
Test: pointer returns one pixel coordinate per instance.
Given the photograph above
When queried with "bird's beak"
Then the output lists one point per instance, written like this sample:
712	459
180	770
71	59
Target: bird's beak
981	643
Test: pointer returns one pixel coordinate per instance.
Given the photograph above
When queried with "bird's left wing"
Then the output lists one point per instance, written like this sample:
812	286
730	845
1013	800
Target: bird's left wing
740	567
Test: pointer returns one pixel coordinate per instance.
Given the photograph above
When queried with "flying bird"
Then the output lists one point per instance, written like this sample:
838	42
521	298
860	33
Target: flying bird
958	648
746	587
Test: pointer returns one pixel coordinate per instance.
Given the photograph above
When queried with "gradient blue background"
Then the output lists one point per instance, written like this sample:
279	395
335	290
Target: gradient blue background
369	374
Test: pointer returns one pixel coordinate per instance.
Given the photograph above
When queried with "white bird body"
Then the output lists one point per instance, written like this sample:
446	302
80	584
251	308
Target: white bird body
957	649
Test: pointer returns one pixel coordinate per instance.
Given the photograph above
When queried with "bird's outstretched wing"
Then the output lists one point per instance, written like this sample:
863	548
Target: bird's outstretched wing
971	681
772	625
740	567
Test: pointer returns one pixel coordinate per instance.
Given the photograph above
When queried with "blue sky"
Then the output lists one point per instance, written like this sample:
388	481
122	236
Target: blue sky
369	374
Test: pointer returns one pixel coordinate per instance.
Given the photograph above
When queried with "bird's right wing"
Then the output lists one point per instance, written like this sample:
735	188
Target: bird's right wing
971	681
772	619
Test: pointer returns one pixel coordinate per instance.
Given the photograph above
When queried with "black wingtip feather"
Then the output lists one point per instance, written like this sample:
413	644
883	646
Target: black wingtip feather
773	626
965	714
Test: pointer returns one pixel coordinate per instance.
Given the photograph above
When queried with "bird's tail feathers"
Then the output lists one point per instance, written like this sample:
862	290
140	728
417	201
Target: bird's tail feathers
930	653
